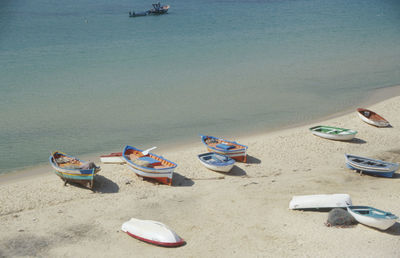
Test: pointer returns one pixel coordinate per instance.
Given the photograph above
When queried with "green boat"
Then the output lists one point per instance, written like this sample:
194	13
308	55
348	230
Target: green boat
333	133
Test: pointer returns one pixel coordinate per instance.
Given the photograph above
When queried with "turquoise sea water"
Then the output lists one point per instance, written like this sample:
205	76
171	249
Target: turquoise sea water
82	77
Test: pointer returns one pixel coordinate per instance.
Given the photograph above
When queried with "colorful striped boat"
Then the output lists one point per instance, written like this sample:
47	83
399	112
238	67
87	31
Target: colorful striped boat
369	166
231	149
149	165
333	133
372	217
372	118
71	169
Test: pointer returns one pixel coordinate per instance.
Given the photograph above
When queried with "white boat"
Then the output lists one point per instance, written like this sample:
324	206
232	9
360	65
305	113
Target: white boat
153	232
372	217
333	133
320	201
216	161
149	165
112	158
372	118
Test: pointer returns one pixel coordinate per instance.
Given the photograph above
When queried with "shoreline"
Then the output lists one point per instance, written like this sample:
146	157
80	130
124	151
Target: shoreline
378	95
44	218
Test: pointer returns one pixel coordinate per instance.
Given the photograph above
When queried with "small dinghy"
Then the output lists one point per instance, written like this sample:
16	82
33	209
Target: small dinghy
320	202
231	149
152	232
71	169
372	217
112	158
371	166
216	162
149	165
333	133
372	118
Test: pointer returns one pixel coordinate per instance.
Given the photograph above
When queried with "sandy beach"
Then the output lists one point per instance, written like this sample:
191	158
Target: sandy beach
240	214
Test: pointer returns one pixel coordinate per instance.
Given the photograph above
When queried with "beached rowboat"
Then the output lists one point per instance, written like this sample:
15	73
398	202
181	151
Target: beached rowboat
372	118
231	149
320	201
149	165
71	169
333	133
216	162
152	232
372	217
369	166
112	158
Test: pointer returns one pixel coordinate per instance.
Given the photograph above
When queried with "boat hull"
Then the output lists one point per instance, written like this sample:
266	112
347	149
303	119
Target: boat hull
152	232
162	175
81	176
327	133
366	165
113	158
381	222
319	201
372	118
219	166
239	153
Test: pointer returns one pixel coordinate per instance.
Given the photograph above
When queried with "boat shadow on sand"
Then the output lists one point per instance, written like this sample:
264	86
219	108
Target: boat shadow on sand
252	160
357	141
101	184
393	230
235	171
180	180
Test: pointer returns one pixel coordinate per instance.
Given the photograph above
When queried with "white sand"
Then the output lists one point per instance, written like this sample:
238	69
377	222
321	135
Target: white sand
245	214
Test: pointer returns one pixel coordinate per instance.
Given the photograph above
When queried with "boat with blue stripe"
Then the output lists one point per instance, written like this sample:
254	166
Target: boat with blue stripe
370	166
72	169
216	161
372	217
228	148
149	165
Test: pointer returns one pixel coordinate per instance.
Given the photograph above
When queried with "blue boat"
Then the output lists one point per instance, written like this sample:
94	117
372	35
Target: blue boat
231	149
156	10
216	162
372	217
71	169
371	166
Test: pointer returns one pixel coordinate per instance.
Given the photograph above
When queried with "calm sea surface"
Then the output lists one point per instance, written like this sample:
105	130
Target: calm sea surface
82	77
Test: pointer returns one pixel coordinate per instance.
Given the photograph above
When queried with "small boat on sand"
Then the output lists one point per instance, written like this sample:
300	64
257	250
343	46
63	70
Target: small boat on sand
152	232
372	118
333	133
71	169
216	162
112	158
320	202
231	149
369	166
149	165
372	217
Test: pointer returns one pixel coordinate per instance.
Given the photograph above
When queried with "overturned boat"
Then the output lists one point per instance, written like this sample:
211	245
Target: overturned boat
319	202
152	232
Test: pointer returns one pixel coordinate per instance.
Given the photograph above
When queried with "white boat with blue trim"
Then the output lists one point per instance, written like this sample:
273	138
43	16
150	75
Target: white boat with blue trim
149	165
372	217
216	161
231	149
370	166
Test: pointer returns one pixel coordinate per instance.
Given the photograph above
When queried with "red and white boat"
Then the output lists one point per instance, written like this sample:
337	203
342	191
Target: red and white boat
372	118
112	158
152	232
231	149
149	165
